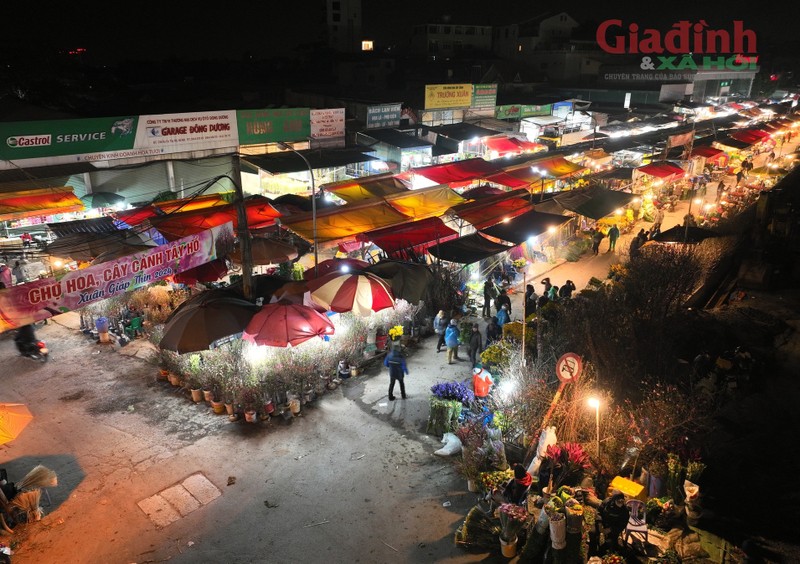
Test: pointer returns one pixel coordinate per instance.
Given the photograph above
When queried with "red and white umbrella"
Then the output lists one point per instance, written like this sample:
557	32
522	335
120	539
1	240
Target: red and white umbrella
361	293
282	324
340	266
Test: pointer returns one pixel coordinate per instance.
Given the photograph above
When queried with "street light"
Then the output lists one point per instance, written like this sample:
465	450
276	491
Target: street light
595	403
288	147
543	175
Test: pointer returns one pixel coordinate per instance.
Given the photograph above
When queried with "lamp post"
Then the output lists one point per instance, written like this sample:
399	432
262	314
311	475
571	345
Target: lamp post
697	201
595	403
288	147
542	174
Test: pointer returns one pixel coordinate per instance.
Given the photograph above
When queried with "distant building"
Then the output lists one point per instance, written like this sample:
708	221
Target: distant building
343	19
438	41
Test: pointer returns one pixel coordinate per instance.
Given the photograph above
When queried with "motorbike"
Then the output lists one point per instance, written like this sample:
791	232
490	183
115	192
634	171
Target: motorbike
28	345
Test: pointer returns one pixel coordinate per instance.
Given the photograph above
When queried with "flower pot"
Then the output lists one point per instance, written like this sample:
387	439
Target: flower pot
174	379
250	415
208	395
353	371
197	395
218	407
229	408
269	407
558	532
294	406
380	342
508	548
472	486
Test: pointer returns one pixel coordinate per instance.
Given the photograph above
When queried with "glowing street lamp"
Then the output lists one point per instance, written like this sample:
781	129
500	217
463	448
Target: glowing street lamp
595	403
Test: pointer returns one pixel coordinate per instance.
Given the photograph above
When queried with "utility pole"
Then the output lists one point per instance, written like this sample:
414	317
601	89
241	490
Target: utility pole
243	232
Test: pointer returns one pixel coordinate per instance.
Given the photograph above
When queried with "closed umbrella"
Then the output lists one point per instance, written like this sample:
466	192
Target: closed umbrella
196	328
14	417
283	323
102	200
360	293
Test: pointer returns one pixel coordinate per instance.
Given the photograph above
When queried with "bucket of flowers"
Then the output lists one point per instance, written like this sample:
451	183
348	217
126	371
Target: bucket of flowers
396	332
512	519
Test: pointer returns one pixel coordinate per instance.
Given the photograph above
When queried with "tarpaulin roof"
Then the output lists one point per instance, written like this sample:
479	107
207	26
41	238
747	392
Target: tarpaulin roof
751	136
396	138
524	226
407	235
39	202
557	167
504	145
733	143
288	161
707	152
458	171
345	221
102	224
466	250
493	209
426	202
463	131
260	214
594	202
365	188
135	216
662	170
618	173
409	281
481	192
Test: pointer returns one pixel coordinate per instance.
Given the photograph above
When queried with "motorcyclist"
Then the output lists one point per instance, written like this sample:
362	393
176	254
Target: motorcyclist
25	338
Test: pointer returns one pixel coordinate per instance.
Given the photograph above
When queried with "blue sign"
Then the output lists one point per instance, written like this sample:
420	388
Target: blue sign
384	115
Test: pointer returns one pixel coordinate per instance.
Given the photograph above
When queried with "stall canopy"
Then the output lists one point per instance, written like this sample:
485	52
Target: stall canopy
43	201
345	221
466	250
415	234
711	155
426	202
557	167
493	209
524	226
732	143
481	192
287	161
503	145
666	171
751	136
260	214
136	216
457	172
594	202
375	186
463	131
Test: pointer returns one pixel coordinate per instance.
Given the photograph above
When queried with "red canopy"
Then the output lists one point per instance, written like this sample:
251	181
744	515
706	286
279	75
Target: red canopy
664	170
457	172
260	214
138	215
751	136
711	155
491	210
415	234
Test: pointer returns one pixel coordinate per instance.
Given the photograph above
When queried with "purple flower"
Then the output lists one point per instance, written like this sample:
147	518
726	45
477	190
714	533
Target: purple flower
455	391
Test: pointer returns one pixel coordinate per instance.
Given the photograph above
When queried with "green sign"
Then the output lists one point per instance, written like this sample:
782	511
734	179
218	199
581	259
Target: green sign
484	96
519	111
35	139
271	126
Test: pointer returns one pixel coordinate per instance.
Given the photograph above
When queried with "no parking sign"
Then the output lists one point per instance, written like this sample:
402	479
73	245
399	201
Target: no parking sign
568	368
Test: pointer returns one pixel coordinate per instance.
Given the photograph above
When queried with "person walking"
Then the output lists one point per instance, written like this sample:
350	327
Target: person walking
613	235
597	236
658	219
503	300
439	326
493	331
475	344
396	363
530	300
451	339
489	293
503	316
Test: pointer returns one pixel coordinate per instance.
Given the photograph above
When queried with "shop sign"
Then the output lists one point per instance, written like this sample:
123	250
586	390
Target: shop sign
273	125
327	123
385	115
484	96
519	111
442	96
40	299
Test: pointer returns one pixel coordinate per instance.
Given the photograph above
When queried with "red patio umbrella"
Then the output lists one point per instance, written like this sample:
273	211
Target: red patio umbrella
340	266
284	323
361	293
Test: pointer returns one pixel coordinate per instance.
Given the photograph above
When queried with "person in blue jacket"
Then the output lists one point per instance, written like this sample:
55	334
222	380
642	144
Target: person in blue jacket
396	363
451	339
502	316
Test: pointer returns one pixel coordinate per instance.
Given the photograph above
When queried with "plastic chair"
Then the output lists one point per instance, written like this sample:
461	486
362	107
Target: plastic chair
135	327
636	529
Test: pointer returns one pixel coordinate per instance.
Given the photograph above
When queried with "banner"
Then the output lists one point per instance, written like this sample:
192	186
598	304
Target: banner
271	126
443	96
385	115
680	139
40	299
327	123
484	96
518	111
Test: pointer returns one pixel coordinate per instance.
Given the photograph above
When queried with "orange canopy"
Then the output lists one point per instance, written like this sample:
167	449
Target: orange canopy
39	202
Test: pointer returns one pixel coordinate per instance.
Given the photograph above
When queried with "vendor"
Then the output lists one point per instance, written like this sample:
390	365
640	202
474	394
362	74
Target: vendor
481	382
614	514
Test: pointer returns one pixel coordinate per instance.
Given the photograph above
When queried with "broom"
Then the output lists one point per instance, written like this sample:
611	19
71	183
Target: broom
39	477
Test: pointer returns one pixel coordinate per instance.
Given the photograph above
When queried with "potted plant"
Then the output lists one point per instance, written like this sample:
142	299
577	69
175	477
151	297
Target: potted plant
250	399
193	377
475	458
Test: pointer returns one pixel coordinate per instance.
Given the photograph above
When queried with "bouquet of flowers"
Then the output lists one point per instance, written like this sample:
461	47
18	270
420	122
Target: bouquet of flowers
568	462
457	391
491	480
512	519
396	332
613	559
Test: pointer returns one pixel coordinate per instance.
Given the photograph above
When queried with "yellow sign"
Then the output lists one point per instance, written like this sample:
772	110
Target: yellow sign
444	96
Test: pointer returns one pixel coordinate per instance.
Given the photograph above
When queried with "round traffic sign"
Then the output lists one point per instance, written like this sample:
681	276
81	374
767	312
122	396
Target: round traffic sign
568	367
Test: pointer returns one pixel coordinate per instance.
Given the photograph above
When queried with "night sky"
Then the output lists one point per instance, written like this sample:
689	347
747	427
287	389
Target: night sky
166	29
